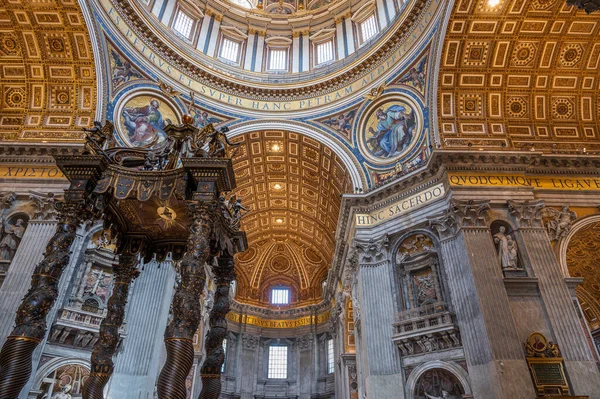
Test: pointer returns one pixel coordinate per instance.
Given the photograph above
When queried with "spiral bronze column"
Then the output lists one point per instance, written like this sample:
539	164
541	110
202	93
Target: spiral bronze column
211	368
105	348
30	322
186	309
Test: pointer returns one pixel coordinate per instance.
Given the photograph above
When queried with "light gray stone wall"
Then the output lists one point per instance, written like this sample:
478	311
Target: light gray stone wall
139	361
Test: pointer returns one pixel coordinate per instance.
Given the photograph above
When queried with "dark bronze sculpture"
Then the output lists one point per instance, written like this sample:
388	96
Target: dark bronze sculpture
211	369
116	184
30	322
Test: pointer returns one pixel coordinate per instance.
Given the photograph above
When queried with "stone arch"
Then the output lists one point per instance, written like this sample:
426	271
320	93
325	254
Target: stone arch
578	253
56	364
454	369
350	162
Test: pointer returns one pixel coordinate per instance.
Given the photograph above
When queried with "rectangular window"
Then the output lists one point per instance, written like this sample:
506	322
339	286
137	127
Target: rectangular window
225	353
278	361
280	296
368	28
230	50
324	52
330	363
183	24
278	60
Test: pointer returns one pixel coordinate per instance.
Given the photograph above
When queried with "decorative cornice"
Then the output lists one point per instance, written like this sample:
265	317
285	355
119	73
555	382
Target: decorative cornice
369	63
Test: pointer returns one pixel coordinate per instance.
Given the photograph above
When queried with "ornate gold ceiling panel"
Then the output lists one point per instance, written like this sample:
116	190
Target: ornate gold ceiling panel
520	74
582	261
47	75
292	185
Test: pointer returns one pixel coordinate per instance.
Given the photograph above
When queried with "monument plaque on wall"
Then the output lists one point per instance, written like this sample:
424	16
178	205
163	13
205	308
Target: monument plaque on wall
546	366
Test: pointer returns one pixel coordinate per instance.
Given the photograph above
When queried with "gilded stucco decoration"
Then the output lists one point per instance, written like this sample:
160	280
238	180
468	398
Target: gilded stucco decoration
292	186
582	261
48	80
522	74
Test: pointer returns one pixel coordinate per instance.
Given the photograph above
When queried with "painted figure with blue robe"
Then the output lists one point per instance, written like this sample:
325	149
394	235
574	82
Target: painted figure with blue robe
394	131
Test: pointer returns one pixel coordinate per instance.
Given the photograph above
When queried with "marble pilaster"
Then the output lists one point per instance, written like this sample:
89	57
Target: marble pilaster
562	313
381	359
494	353
138	364
18	279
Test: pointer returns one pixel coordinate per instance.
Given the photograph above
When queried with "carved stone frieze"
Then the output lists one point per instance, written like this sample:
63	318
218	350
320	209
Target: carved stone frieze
527	213
305	342
45	206
250	341
372	252
558	223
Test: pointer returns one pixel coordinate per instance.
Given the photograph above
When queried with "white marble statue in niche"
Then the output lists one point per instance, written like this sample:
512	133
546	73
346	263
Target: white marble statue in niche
12	233
507	250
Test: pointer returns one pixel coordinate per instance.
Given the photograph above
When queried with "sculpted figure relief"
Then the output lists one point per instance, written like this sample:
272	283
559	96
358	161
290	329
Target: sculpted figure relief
11	239
560	223
63	393
507	249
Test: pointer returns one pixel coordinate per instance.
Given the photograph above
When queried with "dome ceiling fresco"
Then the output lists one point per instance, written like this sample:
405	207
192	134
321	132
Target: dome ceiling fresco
522	74
48	76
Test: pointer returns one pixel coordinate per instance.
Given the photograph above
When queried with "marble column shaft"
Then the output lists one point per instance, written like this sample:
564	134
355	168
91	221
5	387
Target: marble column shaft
18	279
382	369
562	314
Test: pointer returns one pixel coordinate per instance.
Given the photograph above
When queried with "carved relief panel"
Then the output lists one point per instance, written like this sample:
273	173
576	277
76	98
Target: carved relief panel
424	323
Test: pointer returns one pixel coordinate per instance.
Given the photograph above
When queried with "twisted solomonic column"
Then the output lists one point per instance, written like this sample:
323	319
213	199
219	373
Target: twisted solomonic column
105	348
211	369
186	309
30	322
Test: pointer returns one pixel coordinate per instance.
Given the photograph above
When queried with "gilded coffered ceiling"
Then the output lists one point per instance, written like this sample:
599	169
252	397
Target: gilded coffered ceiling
582	261
522	74
48	80
292	186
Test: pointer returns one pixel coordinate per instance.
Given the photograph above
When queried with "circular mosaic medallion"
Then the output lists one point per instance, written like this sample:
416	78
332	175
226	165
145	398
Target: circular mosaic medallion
390	129
141	119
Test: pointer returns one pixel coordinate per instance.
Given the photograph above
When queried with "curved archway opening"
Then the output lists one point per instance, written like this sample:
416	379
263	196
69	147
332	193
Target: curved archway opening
292	186
581	259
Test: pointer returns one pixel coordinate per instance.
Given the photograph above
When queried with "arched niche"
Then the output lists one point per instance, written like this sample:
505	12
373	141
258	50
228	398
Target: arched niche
418	267
11	232
57	373
436	377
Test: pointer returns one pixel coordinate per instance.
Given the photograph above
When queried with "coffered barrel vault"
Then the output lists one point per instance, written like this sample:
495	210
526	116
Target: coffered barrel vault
520	74
48	79
292	186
